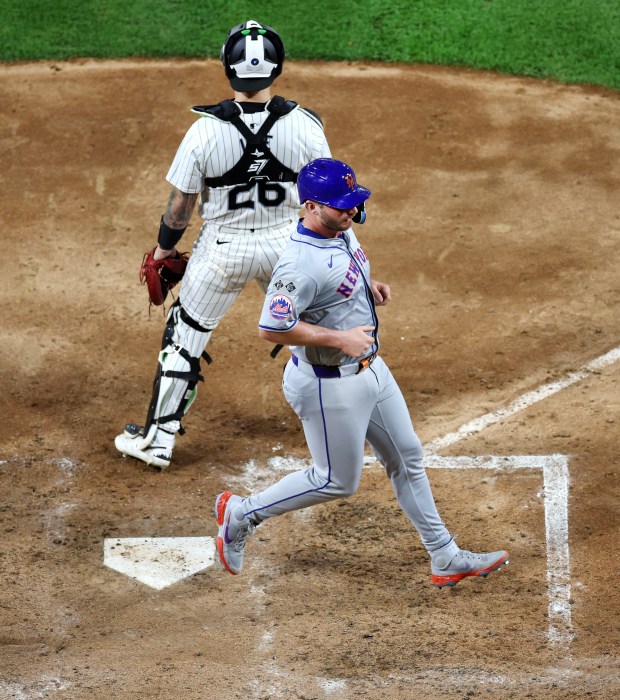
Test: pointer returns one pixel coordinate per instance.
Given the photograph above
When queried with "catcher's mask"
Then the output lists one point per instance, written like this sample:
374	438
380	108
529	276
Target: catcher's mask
252	56
333	183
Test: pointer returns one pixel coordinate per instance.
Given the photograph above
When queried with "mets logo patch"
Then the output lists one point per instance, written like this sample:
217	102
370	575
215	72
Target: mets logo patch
280	307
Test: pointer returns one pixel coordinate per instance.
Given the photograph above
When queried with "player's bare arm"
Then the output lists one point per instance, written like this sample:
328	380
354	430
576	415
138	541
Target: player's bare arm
353	341
177	216
381	292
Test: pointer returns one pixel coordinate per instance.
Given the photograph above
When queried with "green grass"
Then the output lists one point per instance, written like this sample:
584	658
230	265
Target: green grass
574	41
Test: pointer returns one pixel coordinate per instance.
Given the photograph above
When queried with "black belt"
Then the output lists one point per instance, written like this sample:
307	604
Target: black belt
332	372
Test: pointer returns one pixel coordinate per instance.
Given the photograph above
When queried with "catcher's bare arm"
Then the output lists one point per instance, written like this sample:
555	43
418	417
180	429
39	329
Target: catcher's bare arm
163	267
174	222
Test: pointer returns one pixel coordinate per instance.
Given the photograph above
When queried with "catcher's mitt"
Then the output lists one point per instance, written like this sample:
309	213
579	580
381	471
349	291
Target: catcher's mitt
160	276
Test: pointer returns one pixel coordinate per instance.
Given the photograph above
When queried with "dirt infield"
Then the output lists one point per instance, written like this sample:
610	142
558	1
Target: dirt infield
496	219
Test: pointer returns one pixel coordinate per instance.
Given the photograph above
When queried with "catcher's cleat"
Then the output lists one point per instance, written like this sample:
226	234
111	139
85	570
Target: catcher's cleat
233	529
448	570
157	453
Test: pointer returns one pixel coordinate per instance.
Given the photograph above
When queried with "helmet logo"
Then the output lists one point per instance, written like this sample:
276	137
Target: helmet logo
350	180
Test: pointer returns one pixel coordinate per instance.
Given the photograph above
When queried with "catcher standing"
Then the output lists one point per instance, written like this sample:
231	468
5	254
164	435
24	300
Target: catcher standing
241	158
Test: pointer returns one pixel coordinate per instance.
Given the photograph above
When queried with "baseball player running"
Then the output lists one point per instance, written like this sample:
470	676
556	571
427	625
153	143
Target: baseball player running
321	302
242	158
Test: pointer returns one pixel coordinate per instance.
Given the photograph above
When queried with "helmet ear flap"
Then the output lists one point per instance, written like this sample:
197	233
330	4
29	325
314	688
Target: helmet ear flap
360	217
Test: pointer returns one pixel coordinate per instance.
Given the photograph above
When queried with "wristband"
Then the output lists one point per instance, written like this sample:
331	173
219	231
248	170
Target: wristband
169	237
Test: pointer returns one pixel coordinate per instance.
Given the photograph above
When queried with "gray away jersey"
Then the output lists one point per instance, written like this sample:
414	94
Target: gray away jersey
324	282
211	147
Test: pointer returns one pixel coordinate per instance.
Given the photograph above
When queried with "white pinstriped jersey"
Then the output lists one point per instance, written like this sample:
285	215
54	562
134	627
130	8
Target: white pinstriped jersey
211	147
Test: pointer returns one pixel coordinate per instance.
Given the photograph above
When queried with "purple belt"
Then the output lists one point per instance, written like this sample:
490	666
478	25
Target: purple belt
330	372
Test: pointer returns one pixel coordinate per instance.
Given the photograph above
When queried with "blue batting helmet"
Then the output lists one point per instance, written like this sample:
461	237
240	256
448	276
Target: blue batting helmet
252	56
330	182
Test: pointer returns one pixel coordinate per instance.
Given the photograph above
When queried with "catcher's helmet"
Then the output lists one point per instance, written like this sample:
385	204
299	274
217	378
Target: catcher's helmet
330	182
252	56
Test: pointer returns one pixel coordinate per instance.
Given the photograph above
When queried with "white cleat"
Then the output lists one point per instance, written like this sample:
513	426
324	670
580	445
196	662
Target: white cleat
157	454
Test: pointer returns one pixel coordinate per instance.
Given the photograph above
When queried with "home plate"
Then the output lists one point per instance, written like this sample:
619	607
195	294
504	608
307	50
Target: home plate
159	561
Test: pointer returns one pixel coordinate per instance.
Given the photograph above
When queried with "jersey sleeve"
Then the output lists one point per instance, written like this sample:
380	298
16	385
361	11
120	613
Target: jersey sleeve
321	147
185	172
289	293
325	150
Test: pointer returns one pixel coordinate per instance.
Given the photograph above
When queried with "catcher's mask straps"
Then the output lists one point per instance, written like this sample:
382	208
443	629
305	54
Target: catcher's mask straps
188	320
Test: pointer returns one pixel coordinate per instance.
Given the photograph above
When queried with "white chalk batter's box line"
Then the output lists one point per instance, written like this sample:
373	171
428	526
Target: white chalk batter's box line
555	476
555	484
555	489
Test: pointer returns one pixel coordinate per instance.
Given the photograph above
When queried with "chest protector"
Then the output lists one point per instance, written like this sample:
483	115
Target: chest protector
257	161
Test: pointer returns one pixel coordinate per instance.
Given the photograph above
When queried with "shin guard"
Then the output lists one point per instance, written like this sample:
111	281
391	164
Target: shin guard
177	375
